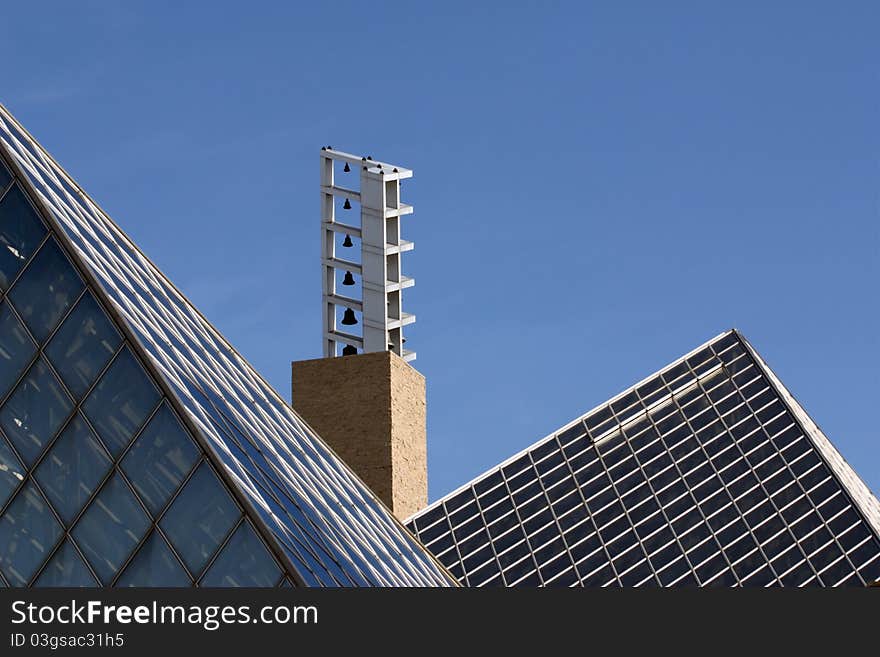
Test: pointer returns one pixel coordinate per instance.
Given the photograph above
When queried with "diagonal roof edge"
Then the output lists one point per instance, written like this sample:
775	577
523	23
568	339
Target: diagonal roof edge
858	490
153	369
110	308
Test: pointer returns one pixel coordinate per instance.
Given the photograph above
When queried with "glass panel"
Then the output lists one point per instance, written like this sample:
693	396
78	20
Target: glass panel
46	290
16	348
5	177
11	471
244	561
200	518
72	469
110	528
35	411
66	569
83	345
28	531
20	234
154	565
160	459
121	401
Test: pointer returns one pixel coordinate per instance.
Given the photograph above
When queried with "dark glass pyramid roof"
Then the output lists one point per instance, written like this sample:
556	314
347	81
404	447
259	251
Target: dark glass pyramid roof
706	473
137	447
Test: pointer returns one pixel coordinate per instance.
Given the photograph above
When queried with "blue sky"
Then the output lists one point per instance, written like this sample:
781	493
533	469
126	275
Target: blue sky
599	187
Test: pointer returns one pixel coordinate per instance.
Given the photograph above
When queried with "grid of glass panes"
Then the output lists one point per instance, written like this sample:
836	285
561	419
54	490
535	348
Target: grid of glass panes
329	525
100	484
700	476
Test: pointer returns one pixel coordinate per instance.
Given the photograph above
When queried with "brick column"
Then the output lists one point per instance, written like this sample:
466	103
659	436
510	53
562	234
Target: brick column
370	409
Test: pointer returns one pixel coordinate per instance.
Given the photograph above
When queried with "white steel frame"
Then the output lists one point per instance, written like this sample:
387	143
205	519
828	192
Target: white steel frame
382	281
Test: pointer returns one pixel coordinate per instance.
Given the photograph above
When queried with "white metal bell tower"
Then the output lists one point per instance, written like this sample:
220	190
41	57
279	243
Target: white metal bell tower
381	280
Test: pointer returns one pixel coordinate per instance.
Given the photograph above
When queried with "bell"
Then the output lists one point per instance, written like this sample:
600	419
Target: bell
349	279
346	205
348	350
347	241
348	319
347	168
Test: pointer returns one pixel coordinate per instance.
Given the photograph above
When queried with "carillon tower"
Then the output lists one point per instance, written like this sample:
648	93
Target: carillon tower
363	397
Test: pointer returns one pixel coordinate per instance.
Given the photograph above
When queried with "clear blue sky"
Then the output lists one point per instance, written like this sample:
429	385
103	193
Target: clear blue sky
599	188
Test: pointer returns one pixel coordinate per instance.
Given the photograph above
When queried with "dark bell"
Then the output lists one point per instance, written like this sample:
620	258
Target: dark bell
348	350
347	242
348	319
349	279
346	205
346	168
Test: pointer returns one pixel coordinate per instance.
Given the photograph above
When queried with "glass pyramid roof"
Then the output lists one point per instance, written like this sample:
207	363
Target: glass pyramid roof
706	473
158	455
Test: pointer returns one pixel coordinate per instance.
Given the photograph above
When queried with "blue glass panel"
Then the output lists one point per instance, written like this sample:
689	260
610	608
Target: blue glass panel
20	234
11	472
16	348
160	459
5	177
66	568
83	345
28	531
285	584
35	411
244	561
46	290
110	528
154	565
121	401
72	469
200	518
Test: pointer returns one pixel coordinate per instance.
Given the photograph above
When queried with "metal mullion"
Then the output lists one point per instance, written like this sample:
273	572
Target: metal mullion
519	517
67	529
30	259
617	494
4	398
592	521
59	542
154	520
219	549
681	478
303	544
76	406
265	490
715	470
787	466
5	190
76	410
65	538
227	431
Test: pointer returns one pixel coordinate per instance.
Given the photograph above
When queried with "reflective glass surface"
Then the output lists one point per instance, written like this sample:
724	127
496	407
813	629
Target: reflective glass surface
11	472
16	348
28	531
700	476
160	458
35	410
331	525
21	232
110	528
199	518
244	561
83	345
72	469
5	177
154	565
121	401
66	569
46	290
